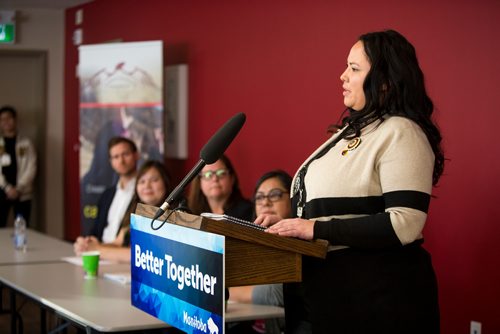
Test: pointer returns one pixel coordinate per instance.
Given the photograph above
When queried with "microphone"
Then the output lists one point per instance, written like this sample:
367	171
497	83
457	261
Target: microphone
209	154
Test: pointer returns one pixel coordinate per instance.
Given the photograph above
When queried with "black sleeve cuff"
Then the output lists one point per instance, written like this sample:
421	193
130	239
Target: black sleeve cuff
373	231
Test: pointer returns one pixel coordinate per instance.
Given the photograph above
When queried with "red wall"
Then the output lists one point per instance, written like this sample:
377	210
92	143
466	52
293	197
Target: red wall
280	62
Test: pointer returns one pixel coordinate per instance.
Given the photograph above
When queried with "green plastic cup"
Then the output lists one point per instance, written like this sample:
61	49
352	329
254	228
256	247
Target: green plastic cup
90	264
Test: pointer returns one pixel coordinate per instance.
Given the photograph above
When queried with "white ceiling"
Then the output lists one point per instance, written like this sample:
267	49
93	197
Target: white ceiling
46	4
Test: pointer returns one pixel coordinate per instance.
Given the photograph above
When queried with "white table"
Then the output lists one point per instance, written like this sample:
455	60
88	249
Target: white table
244	312
41	248
99	304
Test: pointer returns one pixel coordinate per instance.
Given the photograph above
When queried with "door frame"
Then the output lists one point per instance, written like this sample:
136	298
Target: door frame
40	198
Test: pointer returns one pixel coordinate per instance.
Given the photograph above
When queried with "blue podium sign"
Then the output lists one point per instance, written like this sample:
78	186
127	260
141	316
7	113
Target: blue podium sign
178	275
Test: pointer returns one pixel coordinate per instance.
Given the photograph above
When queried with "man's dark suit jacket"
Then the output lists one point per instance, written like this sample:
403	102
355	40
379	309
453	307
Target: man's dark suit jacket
103	206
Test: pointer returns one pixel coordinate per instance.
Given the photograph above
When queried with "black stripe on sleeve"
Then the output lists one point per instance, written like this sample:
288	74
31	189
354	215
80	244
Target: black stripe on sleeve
337	206
369	205
368	232
408	199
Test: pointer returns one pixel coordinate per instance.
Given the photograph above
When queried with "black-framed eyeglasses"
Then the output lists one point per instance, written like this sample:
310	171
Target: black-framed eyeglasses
219	174
274	195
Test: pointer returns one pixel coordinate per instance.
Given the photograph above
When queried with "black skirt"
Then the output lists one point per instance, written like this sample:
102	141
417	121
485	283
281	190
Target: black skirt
366	291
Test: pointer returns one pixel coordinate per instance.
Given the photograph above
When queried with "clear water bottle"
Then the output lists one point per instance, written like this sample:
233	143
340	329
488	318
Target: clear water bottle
20	233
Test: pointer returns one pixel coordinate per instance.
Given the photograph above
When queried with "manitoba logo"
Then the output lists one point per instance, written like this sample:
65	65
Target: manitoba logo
212	327
199	324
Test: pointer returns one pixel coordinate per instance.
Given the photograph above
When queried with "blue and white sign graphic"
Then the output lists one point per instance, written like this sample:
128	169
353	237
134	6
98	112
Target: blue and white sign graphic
178	275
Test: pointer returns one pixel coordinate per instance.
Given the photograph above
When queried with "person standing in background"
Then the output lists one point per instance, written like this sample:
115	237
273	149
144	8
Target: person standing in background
18	168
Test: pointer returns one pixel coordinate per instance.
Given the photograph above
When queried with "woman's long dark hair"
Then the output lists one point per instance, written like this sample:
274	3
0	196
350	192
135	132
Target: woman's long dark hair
197	201
395	86
281	175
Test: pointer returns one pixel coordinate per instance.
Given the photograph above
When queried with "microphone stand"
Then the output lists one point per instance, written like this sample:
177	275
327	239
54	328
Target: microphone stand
179	189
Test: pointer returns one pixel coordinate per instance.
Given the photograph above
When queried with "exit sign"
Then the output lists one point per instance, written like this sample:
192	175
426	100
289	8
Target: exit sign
7	26
7	33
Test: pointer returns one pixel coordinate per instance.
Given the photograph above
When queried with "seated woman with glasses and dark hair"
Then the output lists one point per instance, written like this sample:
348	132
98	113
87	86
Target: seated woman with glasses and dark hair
271	197
217	190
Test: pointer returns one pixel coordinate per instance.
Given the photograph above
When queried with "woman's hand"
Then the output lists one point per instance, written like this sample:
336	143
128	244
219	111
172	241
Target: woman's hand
267	220
295	227
80	245
84	244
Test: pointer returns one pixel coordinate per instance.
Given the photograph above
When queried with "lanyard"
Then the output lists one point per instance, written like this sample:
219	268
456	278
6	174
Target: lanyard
299	184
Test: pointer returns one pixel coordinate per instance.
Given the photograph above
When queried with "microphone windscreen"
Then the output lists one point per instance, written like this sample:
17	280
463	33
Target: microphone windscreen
219	142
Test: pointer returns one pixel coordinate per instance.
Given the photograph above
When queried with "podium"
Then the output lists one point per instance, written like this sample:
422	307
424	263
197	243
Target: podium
252	256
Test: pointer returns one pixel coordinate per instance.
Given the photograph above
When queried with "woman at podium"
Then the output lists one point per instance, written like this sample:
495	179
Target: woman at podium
367	191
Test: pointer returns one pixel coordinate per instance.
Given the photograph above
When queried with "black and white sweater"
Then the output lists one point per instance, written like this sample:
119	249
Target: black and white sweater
375	195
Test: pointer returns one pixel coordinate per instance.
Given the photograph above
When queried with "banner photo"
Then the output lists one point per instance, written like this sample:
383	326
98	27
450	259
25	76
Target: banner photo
121	94
178	275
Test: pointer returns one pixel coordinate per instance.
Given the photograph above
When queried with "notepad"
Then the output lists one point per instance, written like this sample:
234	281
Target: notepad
233	220
123	278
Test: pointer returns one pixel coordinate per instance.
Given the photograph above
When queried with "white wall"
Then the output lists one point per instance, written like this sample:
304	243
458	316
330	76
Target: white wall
43	29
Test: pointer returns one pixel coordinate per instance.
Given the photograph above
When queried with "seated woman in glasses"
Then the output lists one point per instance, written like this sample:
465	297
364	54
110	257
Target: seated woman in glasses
153	185
271	197
217	190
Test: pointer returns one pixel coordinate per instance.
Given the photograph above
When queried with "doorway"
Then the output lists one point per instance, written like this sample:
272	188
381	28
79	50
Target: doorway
23	85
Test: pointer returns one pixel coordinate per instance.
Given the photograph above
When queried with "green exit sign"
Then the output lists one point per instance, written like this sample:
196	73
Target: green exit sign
7	32
7	26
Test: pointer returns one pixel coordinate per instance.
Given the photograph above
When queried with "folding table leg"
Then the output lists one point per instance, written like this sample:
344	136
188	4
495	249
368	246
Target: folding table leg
13	320
43	320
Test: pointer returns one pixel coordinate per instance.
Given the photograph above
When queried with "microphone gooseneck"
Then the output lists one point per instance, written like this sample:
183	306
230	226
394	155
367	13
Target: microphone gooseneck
209	154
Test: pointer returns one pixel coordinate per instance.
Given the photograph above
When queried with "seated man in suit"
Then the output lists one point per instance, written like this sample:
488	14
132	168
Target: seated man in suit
115	201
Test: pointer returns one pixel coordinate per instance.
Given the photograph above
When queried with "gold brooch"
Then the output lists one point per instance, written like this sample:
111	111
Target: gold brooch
352	145
22	151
